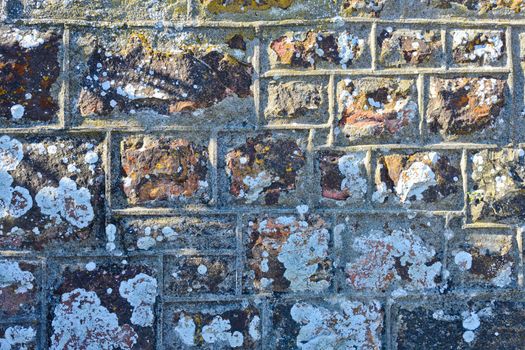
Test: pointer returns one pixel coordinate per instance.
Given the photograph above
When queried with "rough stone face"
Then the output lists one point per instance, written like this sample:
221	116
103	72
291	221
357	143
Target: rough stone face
236	6
409	47
60	201
422	177
29	76
18	336
264	168
213	326
19	288
376	108
498	188
188	275
194	232
295	101
317	49
478	47
365	8
160	170
287	253
335	323
343	175
109	306
462	106
185	77
482	258
479	7
459	324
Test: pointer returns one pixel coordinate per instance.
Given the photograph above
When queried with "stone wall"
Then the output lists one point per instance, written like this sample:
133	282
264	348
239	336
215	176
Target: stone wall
277	174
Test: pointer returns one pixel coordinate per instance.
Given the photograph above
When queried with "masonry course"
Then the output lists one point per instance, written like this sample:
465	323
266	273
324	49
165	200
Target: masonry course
277	174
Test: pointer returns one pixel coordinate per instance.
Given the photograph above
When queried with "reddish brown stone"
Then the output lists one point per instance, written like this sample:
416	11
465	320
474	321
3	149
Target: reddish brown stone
164	169
408	47
19	288
343	175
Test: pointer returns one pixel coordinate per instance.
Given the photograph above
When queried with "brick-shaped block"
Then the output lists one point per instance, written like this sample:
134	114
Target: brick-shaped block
266	169
377	110
19	288
165	170
103	304
18	335
458	324
497	191
288	254
429	180
305	48
485	9
147	78
61	201
333	323
343	177
199	274
389	253
212	326
293	101
485	258
240	10
100	10
472	47
30	79
189	231
468	108
409	47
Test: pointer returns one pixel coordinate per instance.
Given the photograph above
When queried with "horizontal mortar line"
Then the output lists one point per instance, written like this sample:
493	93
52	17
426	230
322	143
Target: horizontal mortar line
475	225
434	146
183	252
252	210
386	72
462	22
125	129
20	319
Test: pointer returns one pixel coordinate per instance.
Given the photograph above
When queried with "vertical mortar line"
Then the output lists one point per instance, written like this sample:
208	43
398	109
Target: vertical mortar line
213	150
331	110
108	143
65	114
372	41
42	323
519	241
160	306
444	50
420	84
311	199
257	77
266	324
337	244
189	10
464	175
369	177
513	63
388	323
239	254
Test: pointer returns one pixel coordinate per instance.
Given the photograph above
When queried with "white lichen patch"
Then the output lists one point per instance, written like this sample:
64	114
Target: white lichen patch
351	167
415	180
185	329
66	201
388	258
11	153
18	338
140	292
81	322
219	330
12	275
14	201
463	260
356	326
473	46
348	45
255	186
26	39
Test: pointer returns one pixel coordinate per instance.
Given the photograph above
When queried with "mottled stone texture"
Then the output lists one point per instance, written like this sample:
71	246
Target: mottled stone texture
262	174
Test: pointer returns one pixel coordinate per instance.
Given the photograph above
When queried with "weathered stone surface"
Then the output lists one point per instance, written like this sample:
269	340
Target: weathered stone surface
264	168
409	47
478	47
295	102
19	288
190	275
213	326
218	6
167	74
62	198
317	49
393	254
482	258
159	170
343	176
288	254
462	106
377	108
364	8
29	76
498	188
422	177
188	231
478	7
459	324
109	305
337	323
18	336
